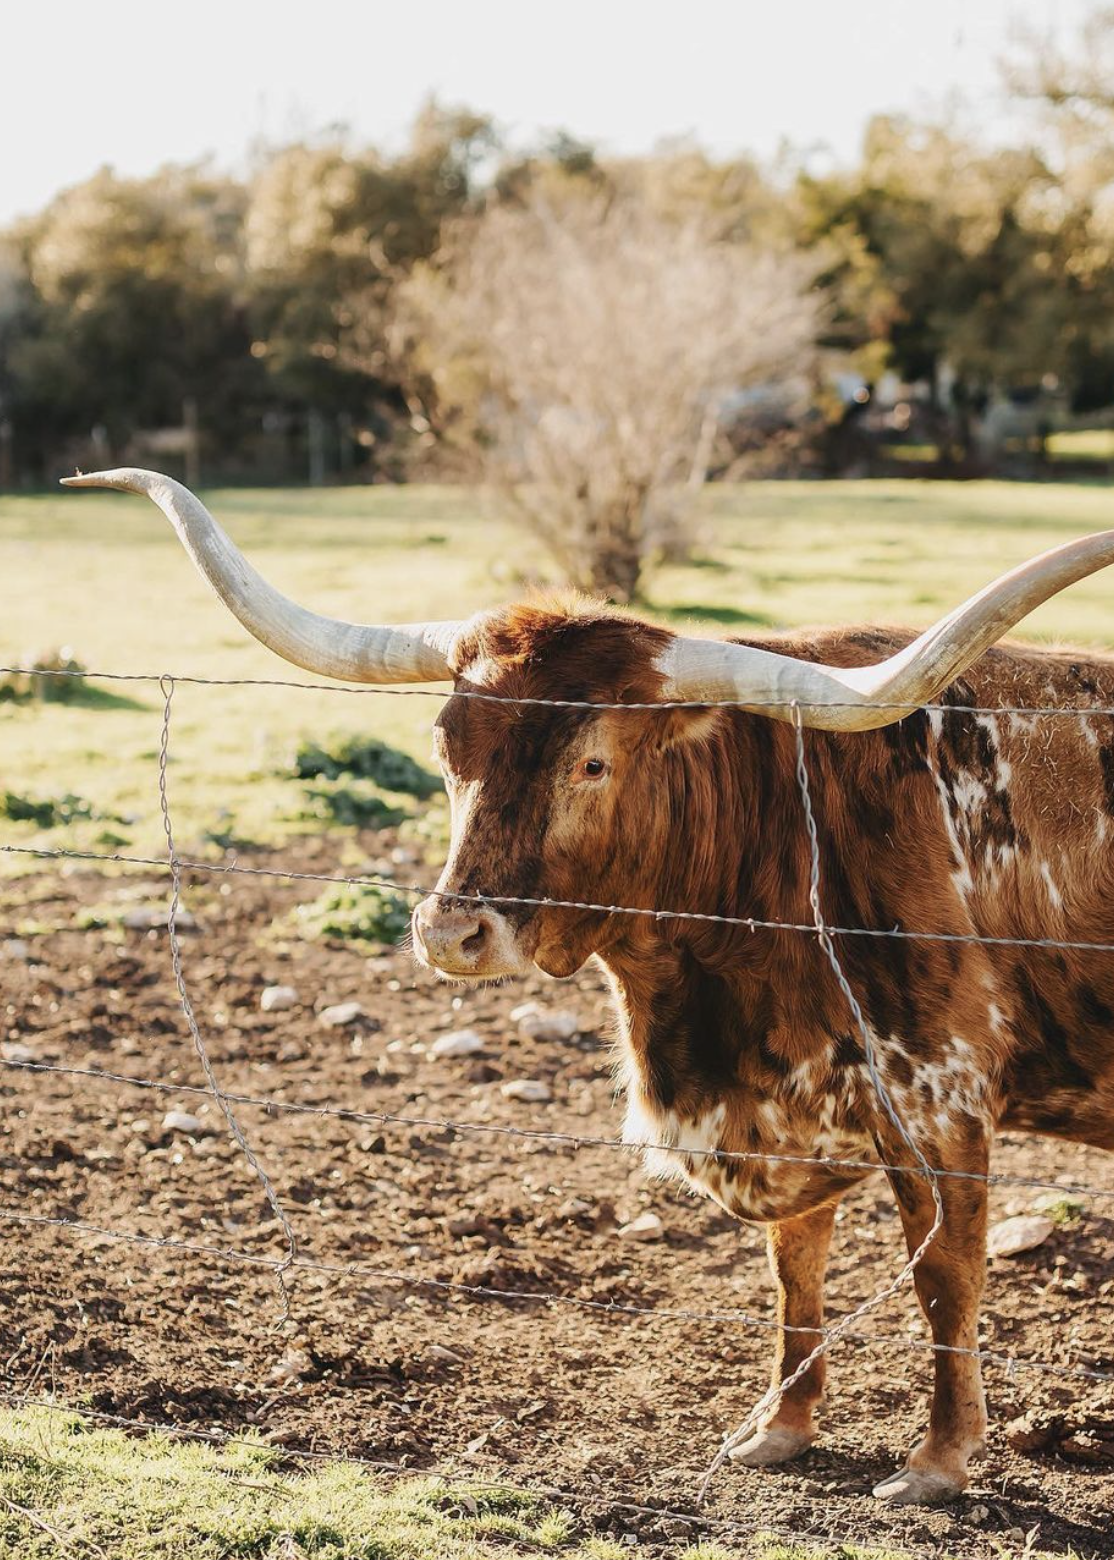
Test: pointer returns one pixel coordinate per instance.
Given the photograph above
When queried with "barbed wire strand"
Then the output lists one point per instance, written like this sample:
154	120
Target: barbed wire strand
282	1268
409	692
613	1308
476	1481
747	923
771	1401
269	1102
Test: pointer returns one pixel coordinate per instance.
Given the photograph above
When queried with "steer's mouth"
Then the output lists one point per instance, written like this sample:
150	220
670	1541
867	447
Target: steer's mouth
467	941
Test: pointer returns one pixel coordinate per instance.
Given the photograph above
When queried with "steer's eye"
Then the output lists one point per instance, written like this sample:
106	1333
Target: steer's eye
591	769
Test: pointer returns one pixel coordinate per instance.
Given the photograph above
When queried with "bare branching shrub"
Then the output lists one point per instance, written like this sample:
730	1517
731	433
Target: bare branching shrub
589	349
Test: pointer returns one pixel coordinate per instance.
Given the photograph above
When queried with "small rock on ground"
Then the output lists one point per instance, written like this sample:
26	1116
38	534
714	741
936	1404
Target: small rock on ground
15	948
341	1013
646	1227
13	1051
460	1042
539	1023
153	919
530	1090
273	999
1034	1431
1013	1236
575	1208
438	1351
182	1121
293	1364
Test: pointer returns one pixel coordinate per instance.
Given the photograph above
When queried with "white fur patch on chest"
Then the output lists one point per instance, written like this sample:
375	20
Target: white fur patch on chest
779	1173
774	1155
670	1141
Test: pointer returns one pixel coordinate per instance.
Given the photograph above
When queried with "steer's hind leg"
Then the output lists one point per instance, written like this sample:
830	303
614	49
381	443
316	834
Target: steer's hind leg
798	1251
949	1280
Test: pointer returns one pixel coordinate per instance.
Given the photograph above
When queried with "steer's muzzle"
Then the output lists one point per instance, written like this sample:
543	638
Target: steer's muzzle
466	940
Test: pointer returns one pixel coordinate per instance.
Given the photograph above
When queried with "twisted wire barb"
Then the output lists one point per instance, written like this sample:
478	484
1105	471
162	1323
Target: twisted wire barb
283	1267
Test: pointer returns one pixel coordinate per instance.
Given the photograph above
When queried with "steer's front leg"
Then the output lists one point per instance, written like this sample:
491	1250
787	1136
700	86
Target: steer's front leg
949	1280
798	1252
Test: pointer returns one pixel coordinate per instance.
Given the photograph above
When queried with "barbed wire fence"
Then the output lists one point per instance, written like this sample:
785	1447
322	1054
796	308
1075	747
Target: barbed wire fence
850	1325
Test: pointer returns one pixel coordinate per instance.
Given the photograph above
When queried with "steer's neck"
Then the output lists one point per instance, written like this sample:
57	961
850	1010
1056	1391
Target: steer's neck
730	809
696	1020
749	997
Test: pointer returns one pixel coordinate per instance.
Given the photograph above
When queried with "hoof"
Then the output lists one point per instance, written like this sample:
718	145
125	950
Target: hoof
914	1487
774	1445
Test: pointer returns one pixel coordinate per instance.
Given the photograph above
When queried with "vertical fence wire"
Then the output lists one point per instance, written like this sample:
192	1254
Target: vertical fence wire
283	1268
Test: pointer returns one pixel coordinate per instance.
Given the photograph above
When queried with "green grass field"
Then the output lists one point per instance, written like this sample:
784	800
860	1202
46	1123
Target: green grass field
1092	444
104	575
69	1489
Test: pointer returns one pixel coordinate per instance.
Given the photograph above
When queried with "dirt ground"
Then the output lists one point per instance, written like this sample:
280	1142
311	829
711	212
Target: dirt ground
613	1405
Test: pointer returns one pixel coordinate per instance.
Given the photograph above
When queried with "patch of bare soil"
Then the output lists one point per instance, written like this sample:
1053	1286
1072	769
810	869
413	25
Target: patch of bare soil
603	1400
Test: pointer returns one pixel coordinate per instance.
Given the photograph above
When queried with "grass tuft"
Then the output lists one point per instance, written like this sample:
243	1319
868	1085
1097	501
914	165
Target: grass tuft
366	758
350	807
1063	1211
48	812
37	682
355	913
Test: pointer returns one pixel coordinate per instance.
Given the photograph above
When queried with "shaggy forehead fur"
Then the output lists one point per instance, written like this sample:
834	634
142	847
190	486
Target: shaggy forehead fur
563	646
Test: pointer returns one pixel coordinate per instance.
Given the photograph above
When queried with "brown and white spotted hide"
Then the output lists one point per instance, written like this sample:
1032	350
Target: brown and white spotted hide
738	1042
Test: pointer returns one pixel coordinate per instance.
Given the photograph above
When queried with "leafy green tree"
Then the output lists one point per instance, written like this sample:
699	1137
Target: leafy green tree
1070	88
952	264
327	233
129	306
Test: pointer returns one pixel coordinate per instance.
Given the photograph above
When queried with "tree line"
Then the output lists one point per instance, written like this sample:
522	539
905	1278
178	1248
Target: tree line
593	335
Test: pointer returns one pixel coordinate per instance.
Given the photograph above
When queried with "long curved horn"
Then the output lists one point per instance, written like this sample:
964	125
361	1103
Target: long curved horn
839	698
410	652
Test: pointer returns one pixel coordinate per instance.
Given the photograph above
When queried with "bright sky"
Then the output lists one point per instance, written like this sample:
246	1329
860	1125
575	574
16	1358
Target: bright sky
135	83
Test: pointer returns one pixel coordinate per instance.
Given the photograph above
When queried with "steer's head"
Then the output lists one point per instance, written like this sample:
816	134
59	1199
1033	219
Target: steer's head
575	804
548	802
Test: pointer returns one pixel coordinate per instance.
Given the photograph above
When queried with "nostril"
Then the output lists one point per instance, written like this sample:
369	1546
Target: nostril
475	940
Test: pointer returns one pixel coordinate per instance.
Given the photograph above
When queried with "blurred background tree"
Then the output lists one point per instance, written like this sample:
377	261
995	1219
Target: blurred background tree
327	233
130	309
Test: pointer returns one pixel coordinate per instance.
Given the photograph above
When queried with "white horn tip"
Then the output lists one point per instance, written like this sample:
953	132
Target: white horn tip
129	479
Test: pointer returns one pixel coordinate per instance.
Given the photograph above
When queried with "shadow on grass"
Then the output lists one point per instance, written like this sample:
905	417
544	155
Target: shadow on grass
91	698
78	695
704	561
733	616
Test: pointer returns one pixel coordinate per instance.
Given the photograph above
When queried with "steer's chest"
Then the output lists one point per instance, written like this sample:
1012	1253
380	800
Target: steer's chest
761	1156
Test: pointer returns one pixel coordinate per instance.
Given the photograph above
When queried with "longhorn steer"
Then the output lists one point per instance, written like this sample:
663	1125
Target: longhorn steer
732	1041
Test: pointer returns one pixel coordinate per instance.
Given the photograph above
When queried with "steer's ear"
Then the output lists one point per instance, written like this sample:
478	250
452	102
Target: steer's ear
678	727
